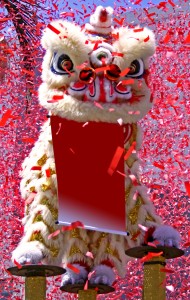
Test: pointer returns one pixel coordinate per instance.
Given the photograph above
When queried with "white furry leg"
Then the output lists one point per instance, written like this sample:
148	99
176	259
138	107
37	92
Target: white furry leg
109	252
35	246
76	246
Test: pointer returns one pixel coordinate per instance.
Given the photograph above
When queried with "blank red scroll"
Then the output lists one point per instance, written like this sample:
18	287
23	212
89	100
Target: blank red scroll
86	190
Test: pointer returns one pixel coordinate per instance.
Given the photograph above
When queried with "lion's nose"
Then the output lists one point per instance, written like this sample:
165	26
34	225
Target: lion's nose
101	57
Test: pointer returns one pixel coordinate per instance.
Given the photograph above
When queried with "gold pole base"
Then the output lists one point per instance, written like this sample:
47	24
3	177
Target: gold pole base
35	279
75	288
87	295
35	288
153	288
153	277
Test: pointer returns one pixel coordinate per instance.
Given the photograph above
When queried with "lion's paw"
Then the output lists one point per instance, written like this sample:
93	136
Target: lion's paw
167	236
72	277
27	253
102	275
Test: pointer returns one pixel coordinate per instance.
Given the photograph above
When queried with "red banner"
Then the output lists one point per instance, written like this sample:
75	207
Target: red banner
87	191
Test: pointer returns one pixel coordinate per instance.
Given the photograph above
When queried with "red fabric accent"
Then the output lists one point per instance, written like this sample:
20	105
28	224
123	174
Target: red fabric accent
91	89
148	235
82	264
103	15
121	88
108	263
102	90
78	85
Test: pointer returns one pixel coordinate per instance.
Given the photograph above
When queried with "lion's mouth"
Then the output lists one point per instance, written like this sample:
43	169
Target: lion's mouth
100	89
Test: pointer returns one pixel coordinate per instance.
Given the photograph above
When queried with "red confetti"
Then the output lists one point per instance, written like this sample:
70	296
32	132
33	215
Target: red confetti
187	187
73	226
138	29
84	8
117	54
157	165
186	244
102	69
120	22
123	174
5	117
171	2
137	2
96	45
55	6
58	129
133	179
87	16
28	140
130	150
125	72
57	97
30	198
52	28
170	79
36	168
187	40
147	39
89	254
151	244
166	270
115	36
73	268
127	82
150	255
167	38
98	104
89	276
54	234
67	14
19	266
116	158
170	288
48	173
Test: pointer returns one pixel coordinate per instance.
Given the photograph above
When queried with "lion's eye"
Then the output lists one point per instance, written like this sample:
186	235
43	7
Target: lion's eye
136	68
61	64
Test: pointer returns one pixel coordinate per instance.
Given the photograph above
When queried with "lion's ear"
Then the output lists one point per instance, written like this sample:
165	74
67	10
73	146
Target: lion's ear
136	43
66	37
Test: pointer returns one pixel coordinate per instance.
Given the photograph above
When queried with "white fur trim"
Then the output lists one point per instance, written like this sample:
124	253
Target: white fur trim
73	109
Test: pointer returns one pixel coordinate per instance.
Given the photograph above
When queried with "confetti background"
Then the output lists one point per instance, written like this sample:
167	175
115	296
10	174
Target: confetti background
165	150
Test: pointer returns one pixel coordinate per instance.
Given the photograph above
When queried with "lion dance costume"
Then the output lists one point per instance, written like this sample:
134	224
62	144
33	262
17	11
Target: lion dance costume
73	54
